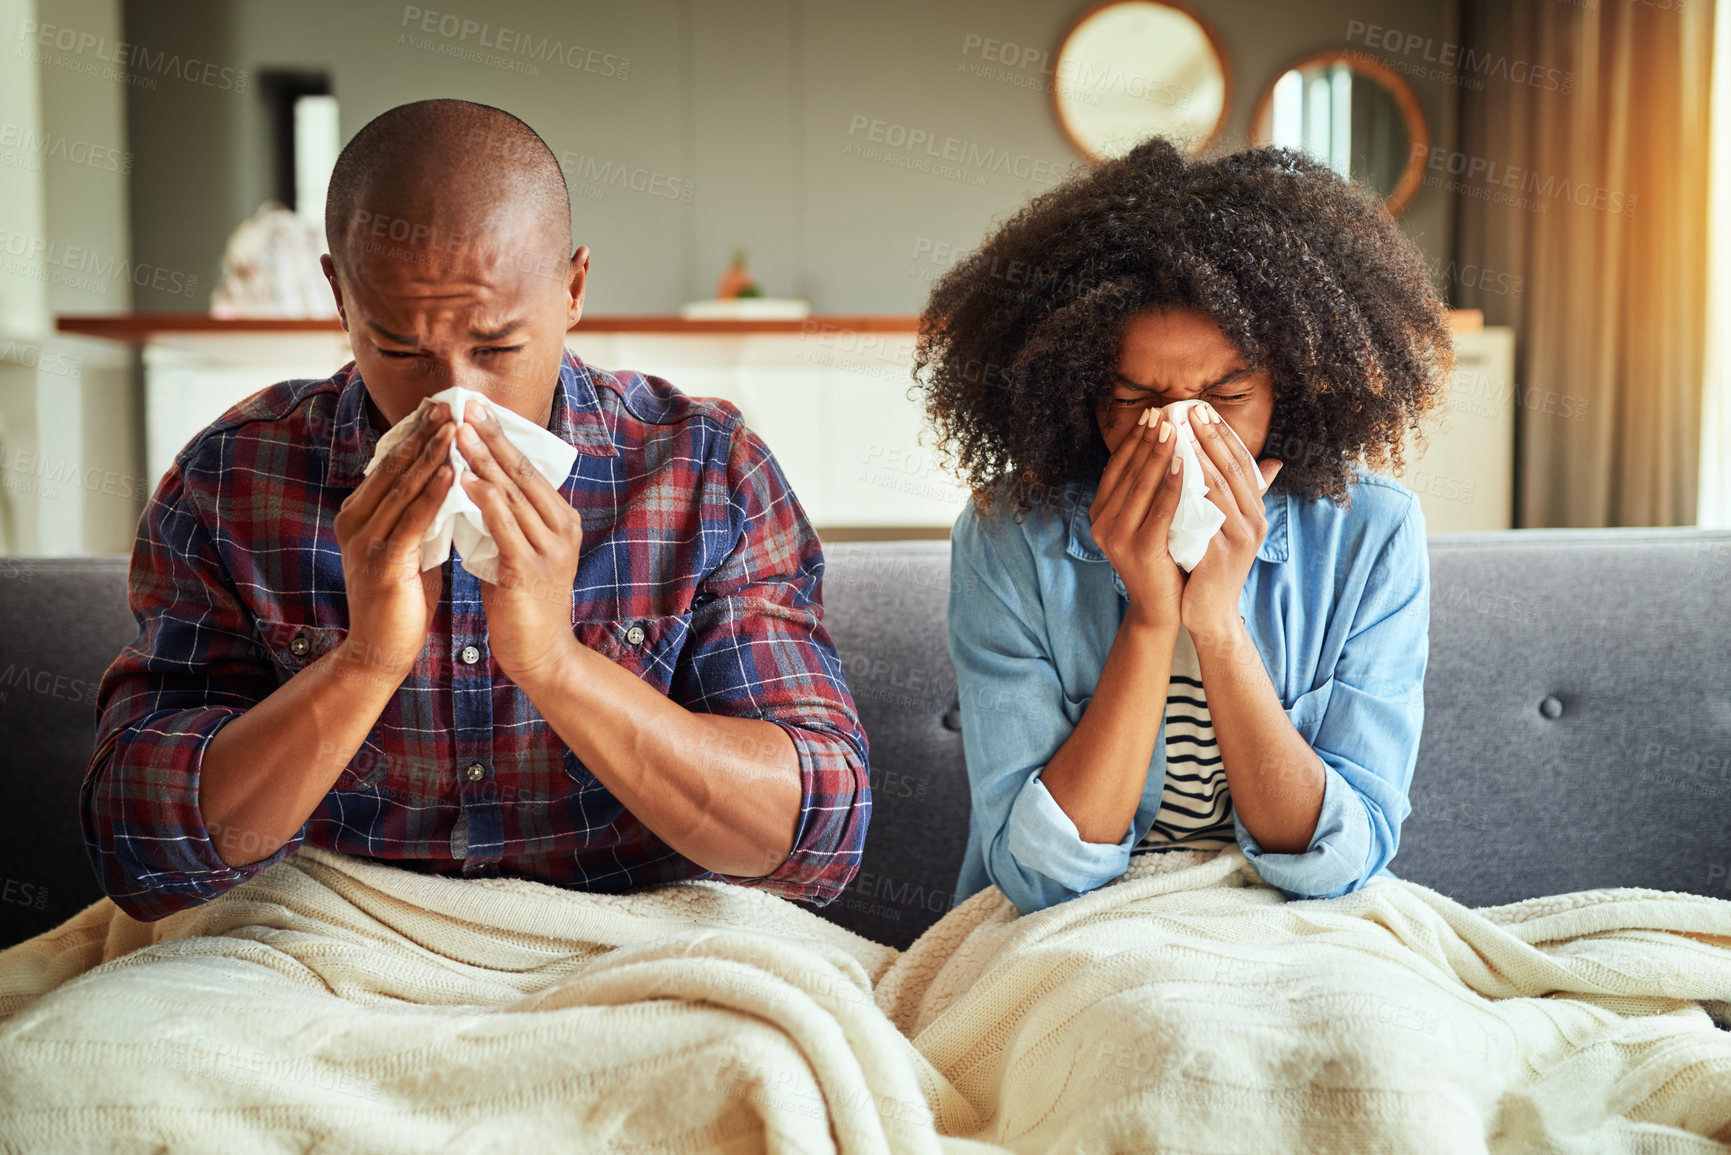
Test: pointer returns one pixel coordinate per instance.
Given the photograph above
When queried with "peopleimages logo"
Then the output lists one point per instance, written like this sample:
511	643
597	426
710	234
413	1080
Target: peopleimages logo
1088	79
22	139
1451	55
1479	277
1480	176
584	169
513	42
75	259
910	140
135	57
33	356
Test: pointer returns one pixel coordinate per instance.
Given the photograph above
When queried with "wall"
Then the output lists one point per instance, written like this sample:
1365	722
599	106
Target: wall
68	428
748	104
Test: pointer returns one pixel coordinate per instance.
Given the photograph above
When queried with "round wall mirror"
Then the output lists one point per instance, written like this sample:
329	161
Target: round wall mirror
1131	69
1353	114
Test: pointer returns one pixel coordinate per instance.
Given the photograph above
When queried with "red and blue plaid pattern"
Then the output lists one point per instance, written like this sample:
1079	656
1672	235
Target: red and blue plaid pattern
699	573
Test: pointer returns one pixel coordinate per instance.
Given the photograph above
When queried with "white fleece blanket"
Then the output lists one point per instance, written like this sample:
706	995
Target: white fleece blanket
338	1004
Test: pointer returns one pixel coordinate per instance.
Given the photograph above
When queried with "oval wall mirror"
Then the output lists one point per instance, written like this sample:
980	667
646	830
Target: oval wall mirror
1130	69
1353	114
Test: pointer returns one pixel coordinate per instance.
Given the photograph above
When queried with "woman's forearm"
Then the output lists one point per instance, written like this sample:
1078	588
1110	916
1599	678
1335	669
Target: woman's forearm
1097	776
1275	778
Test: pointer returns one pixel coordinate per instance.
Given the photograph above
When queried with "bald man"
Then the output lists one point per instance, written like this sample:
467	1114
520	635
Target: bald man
646	695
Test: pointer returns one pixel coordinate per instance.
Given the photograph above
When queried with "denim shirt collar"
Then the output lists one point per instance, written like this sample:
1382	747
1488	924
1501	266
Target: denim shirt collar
1275	544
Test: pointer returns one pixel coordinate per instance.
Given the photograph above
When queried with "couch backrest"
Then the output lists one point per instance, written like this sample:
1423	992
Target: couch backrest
1577	723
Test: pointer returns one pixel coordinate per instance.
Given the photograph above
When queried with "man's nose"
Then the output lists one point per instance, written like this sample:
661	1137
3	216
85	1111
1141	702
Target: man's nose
463	371
448	366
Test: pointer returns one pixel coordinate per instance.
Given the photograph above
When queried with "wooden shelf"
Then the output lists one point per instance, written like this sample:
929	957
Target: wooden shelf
137	328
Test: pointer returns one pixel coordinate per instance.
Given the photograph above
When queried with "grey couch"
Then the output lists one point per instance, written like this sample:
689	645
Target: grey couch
1577	728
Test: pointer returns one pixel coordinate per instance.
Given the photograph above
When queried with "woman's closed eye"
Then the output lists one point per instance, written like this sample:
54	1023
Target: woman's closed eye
1150	401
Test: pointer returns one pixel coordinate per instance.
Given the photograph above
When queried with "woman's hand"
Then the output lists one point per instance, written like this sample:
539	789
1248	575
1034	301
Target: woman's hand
1131	518
1236	482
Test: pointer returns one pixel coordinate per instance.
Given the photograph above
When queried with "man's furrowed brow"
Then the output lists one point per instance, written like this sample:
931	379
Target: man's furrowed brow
386	333
503	331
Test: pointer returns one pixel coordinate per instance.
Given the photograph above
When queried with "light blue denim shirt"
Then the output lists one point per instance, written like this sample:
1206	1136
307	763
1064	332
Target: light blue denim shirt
1338	605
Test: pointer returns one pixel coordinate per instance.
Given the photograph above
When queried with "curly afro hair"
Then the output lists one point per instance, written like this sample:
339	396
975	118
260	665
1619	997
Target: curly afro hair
1306	274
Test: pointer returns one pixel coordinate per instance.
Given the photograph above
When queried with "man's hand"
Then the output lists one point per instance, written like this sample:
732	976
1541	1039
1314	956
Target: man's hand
1236	482
263	774
539	536
379	529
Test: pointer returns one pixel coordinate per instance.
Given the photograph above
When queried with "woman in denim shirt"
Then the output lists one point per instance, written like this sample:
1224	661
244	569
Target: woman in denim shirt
1290	305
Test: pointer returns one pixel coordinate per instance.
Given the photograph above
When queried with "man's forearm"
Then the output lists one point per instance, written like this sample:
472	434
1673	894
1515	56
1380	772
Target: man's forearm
265	773
724	792
1275	778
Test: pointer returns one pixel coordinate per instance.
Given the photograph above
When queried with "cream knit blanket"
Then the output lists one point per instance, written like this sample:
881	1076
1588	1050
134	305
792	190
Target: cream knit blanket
339	1004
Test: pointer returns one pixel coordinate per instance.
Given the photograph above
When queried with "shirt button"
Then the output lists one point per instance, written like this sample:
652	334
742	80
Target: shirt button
634	635
300	646
471	655
476	771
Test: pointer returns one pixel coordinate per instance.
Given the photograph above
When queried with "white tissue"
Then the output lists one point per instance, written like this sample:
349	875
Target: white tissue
1196	520
459	519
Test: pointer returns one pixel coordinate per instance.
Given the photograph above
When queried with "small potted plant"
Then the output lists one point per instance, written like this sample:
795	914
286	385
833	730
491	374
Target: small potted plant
736	282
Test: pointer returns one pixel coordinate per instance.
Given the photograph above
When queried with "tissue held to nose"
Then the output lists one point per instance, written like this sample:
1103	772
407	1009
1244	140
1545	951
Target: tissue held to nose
459	520
1196	520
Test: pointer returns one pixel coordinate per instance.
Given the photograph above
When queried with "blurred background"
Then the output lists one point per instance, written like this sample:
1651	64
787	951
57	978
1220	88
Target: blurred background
769	187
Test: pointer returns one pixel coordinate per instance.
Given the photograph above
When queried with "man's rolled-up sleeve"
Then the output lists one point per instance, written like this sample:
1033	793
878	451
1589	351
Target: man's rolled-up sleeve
1368	735
758	648
194	668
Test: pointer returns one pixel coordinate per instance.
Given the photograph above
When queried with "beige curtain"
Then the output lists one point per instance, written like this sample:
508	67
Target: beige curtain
1592	203
1714	508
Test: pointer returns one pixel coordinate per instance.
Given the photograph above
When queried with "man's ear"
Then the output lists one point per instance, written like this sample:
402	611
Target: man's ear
330	268
576	285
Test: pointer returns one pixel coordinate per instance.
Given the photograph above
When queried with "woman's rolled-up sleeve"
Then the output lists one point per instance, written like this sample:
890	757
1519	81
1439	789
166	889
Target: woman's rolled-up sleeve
1013	721
1364	722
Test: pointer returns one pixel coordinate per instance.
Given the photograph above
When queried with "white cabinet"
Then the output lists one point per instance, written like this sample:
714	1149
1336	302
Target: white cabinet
1465	476
191	379
70	481
833	406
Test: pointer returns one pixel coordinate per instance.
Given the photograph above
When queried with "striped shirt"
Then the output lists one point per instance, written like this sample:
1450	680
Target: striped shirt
698	573
1195	807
